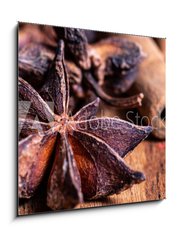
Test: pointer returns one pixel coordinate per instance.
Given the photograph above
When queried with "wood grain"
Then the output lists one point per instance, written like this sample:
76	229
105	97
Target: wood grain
148	157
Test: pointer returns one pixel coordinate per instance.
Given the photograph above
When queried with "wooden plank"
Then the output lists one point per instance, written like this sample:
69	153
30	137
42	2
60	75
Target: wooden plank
148	157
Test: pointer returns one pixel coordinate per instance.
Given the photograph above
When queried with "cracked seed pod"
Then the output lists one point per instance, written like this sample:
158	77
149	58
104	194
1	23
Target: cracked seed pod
88	151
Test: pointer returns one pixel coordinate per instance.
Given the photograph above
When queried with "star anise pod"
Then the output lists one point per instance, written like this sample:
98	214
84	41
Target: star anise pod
88	151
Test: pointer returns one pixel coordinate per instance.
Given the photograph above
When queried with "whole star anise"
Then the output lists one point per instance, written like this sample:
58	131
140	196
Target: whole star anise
88	151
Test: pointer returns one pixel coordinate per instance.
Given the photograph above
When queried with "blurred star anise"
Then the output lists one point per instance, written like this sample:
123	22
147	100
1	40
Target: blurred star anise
88	151
106	68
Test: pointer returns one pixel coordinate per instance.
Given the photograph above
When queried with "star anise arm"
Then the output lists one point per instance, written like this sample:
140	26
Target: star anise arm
30	126
34	155
107	174
99	145
88	111
38	104
64	184
86	167
56	88
120	135
129	102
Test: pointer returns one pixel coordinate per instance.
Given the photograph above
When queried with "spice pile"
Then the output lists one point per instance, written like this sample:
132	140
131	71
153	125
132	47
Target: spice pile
62	80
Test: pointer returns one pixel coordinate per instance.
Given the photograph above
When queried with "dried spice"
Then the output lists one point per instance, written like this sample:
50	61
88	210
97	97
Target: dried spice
33	33
129	102
112	62
88	151
76	45
33	61
111	58
151	81
116	63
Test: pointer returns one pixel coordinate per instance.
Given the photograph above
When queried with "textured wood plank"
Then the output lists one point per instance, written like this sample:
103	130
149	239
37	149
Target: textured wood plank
148	157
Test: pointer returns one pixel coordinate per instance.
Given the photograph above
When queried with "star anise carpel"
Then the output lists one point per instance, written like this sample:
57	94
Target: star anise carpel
88	150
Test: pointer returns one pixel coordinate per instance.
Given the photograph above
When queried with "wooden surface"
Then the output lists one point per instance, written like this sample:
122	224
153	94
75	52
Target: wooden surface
148	157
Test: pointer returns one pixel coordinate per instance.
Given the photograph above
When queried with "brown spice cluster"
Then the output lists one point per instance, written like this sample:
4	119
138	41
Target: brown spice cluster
84	152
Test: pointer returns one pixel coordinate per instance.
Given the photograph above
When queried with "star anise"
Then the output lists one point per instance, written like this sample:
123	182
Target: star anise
88	151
